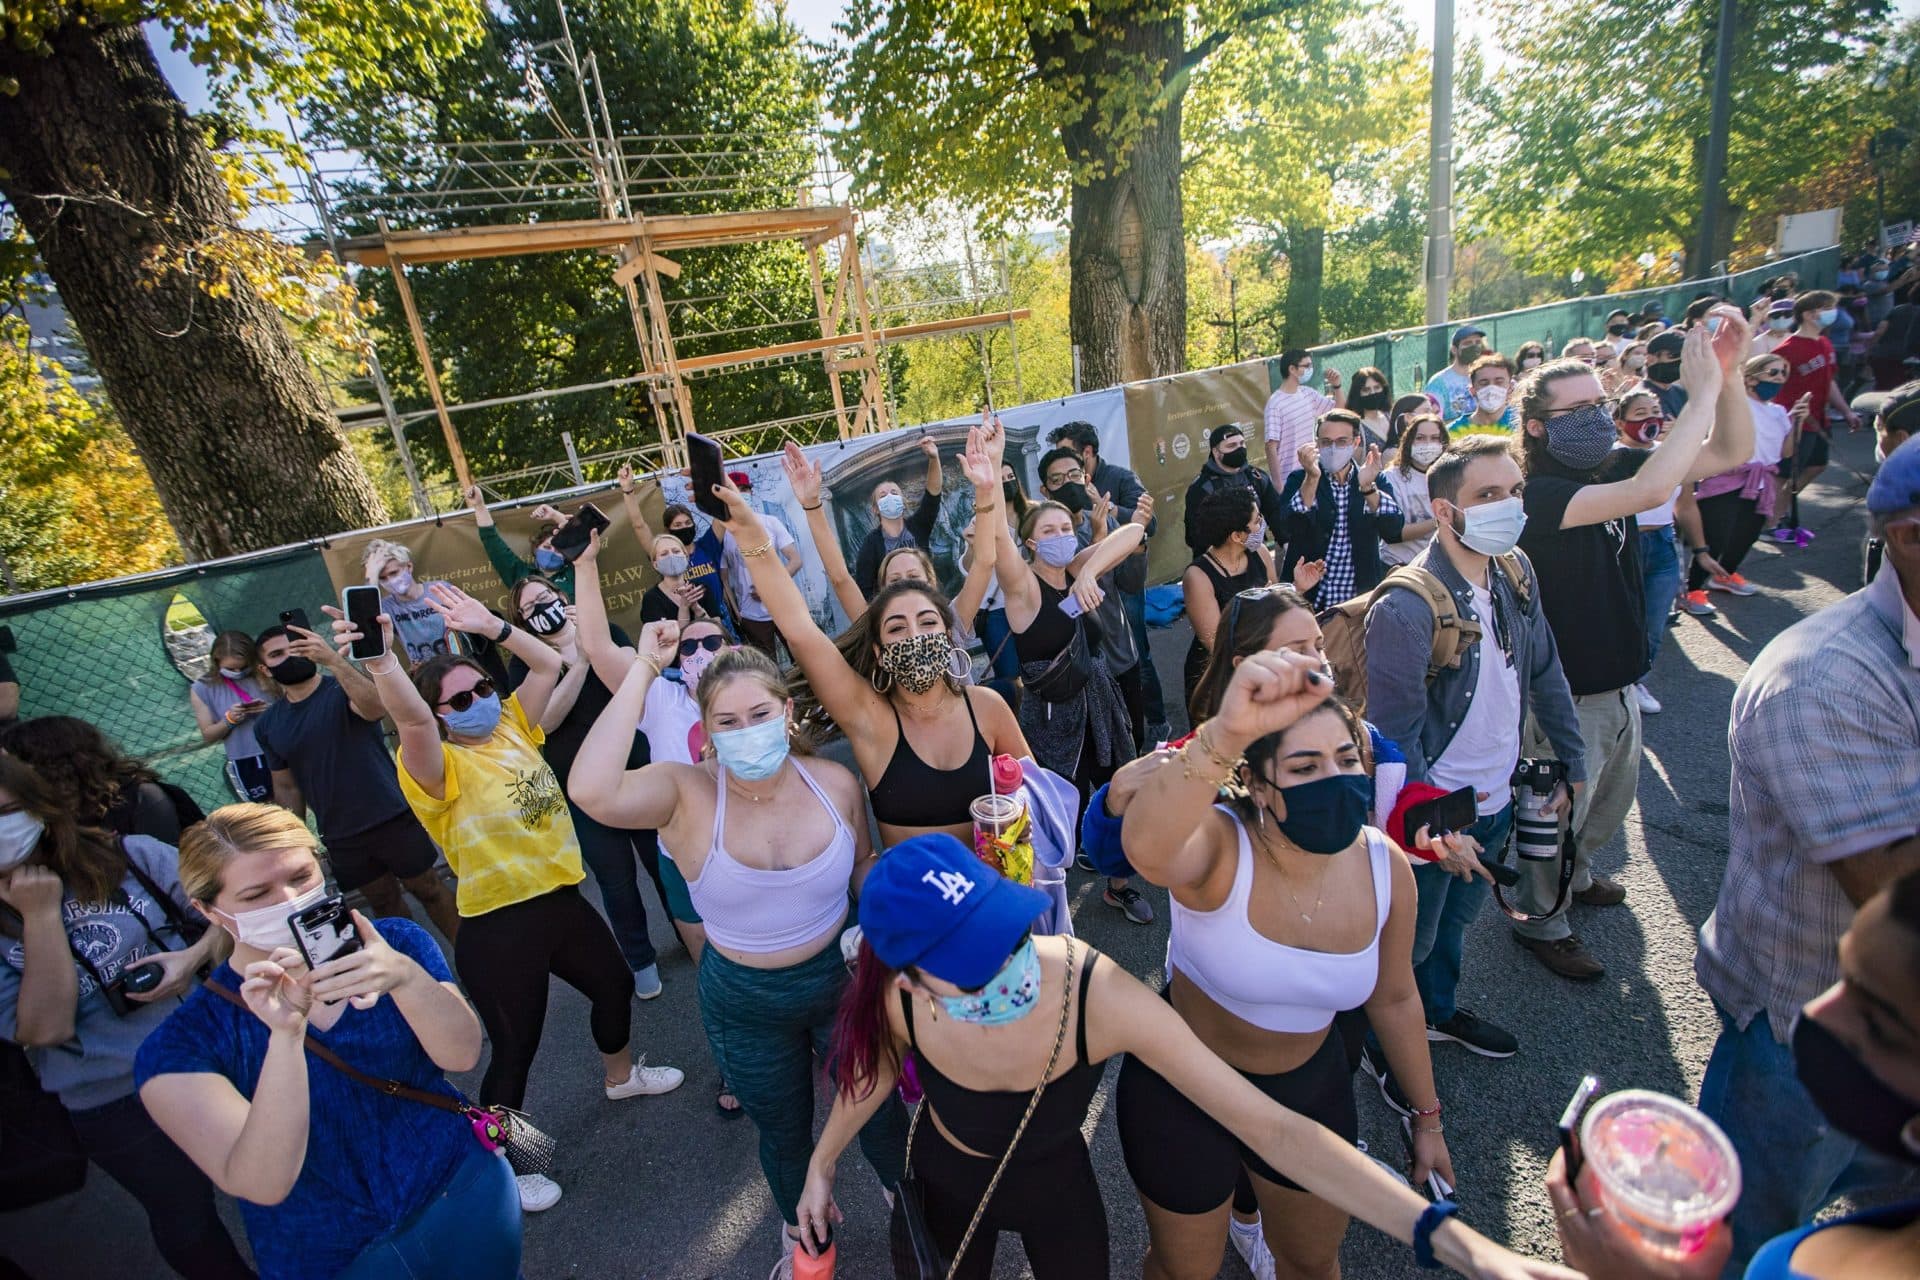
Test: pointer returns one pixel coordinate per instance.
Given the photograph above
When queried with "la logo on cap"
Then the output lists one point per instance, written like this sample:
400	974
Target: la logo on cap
953	886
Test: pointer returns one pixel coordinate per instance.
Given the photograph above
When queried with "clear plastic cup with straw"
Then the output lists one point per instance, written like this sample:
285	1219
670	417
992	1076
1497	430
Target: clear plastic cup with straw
1666	1174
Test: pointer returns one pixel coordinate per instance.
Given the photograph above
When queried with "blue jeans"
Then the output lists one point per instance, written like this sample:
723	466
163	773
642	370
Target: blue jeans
1791	1162
470	1229
615	858
1135	603
1660	579
1447	905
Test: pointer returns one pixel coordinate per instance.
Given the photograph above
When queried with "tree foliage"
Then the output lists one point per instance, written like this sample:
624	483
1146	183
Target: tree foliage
724	74
1587	144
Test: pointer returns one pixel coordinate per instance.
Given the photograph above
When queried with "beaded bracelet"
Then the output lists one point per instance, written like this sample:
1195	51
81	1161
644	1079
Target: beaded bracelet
760	550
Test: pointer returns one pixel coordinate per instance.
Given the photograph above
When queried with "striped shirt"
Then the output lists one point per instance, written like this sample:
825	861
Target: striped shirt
1825	747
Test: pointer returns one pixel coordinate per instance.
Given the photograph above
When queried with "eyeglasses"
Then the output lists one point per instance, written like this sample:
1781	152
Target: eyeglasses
695	644
1608	405
1225	639
1075	476
462	700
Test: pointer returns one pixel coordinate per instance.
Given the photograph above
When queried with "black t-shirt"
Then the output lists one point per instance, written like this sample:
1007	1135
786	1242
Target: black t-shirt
565	739
1590	583
655	606
340	761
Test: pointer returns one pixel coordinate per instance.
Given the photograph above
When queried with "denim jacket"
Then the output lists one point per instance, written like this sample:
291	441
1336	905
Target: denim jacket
1423	717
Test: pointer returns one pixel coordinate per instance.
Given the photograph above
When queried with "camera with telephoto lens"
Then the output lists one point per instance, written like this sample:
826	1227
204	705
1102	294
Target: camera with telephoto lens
1536	827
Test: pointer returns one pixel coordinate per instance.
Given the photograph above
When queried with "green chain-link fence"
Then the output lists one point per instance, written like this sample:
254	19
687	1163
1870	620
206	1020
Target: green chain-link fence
107	653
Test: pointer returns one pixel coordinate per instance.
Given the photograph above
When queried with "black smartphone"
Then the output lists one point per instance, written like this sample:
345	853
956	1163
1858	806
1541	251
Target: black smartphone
1570	1125
572	537
1451	813
704	463
325	931
296	618
362	607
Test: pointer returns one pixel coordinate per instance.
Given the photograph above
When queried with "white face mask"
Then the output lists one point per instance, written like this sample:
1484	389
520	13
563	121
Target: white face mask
234	674
268	927
1493	528
1335	457
1425	454
20	834
1491	398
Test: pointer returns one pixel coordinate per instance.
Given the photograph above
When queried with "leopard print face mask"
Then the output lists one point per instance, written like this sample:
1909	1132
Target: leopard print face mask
918	662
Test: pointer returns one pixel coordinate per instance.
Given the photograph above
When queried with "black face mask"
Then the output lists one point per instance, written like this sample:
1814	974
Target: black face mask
1073	497
1852	1098
1372	400
1234	459
1616	329
1009	488
686	535
293	670
1664	371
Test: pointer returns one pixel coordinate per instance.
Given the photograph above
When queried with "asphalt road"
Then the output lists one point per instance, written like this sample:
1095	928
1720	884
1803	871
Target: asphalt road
665	1188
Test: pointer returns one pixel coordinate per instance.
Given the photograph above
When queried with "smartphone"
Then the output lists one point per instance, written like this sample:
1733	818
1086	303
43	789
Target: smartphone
1451	813
1570	1125
704	462
573	536
325	931
1714	323
1070	606
362	607
298	617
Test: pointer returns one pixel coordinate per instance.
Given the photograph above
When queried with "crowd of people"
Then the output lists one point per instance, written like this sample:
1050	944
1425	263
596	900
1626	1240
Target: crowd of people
1453	595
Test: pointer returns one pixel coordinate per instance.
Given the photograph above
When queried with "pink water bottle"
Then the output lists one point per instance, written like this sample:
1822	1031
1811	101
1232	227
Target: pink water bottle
808	1265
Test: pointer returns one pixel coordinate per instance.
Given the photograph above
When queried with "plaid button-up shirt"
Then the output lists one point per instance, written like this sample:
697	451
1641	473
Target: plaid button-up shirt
1825	747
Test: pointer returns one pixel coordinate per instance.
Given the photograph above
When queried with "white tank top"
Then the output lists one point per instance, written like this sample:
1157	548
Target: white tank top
1266	983
754	910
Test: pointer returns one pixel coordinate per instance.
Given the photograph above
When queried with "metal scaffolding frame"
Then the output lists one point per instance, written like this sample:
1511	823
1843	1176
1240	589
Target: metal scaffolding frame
642	202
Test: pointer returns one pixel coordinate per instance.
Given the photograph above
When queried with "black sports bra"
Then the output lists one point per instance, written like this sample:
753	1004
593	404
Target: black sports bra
985	1119
912	793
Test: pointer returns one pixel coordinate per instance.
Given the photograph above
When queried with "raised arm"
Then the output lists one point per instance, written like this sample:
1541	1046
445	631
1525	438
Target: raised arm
609	661
1731	443
601	784
986	448
1669	465
422	752
1172	836
980	571
507	566
1105	555
850	700
464	613
803	477
630	499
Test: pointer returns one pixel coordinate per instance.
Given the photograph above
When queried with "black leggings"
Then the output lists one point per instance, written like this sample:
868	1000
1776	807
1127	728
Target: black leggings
1731	525
122	1139
503	959
1050	1200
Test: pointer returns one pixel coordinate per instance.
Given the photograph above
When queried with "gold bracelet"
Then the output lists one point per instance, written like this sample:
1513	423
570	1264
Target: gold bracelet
760	550
657	672
1436	1127
1202	737
991	506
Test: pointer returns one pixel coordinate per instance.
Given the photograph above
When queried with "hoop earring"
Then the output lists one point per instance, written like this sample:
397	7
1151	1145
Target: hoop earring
874	680
959	663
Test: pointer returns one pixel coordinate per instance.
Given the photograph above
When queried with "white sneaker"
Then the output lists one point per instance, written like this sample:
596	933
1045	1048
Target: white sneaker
1649	705
1398	1175
537	1192
646	1080
1251	1245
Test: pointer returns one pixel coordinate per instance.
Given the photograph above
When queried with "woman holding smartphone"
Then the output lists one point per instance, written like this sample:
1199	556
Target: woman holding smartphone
471	769
335	1178
225	702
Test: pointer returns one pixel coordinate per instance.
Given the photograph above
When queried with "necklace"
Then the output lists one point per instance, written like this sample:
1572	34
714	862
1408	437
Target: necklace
739	790
1287	882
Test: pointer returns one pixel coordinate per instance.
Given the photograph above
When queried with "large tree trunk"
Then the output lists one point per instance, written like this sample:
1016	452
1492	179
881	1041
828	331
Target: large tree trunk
1306	274
98	156
1128	292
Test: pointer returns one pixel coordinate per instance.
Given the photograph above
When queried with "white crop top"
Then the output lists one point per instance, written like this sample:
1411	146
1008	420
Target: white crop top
755	910
1266	983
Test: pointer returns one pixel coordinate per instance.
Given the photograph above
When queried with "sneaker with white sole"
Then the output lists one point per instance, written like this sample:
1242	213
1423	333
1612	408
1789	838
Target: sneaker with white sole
1475	1035
537	1192
1649	705
1130	902
646	982
1251	1244
1733	583
646	1080
1697	604
1389	1087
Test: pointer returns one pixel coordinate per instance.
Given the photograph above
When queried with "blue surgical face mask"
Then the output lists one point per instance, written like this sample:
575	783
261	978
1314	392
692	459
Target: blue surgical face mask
1008	996
1058	551
546	559
1827	315
478	720
754	753
891	506
1779	324
1325	815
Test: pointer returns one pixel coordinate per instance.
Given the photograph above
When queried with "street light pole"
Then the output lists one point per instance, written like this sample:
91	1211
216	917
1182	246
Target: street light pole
1440	168
1712	181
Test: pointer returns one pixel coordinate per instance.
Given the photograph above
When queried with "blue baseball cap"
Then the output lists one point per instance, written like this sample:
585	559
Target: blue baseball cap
1896	486
930	903
1468	331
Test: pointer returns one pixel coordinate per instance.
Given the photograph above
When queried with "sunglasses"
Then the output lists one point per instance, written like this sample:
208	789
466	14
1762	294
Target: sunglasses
462	700
1251	593
712	644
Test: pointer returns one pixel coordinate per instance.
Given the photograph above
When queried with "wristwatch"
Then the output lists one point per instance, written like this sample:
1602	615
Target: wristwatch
506	629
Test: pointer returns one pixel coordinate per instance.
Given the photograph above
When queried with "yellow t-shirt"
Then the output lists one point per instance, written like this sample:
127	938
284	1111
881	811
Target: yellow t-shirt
504	824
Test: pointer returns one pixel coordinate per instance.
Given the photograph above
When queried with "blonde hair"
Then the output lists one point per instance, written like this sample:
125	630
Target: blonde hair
229	831
379	554
925	561
1754	364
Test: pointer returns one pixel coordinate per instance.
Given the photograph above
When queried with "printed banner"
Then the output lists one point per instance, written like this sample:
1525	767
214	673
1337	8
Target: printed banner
1168	420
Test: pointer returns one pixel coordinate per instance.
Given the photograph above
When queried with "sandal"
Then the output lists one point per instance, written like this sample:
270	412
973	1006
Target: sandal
720	1100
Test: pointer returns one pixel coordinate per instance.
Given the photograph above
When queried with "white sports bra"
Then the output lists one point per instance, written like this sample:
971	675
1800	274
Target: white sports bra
755	910
1266	983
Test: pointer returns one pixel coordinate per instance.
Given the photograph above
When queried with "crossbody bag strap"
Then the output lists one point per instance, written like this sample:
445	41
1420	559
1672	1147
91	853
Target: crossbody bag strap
188	929
392	1088
1059	1038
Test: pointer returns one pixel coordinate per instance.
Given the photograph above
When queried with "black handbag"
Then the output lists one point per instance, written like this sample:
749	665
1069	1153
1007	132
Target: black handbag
41	1158
915	1255
1068	673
